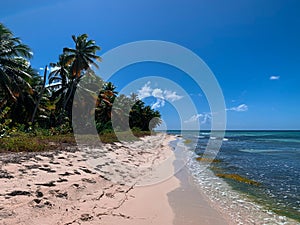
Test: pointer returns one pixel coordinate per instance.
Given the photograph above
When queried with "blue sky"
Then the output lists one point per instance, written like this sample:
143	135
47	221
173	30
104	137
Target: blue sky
252	47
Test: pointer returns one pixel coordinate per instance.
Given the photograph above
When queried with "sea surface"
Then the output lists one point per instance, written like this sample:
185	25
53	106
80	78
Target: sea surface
271	159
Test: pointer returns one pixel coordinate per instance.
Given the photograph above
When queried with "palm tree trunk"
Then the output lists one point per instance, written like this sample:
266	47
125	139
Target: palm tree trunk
40	96
68	98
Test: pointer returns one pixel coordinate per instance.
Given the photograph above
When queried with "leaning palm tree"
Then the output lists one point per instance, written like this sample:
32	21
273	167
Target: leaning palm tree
79	59
69	70
24	109
60	73
59	82
14	79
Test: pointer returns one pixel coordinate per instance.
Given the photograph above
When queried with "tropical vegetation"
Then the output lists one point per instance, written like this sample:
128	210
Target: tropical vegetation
34	104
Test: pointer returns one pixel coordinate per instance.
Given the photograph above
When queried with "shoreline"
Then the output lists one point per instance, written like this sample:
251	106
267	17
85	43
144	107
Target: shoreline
236	206
122	183
72	187
191	207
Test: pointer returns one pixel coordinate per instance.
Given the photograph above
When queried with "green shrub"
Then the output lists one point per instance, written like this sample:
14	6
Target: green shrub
5	123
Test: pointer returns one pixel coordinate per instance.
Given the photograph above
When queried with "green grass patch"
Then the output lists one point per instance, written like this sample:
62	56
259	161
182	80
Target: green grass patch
27	142
123	136
23	142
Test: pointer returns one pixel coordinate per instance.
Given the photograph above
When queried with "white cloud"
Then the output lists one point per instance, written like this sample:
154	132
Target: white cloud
240	108
172	96
274	77
160	95
41	68
159	103
206	119
203	118
145	91
193	118
157	93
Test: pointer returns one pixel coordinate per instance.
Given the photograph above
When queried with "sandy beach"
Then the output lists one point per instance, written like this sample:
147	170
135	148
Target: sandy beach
69	187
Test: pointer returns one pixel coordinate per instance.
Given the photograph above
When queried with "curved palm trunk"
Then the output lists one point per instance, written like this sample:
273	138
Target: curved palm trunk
69	98
40	96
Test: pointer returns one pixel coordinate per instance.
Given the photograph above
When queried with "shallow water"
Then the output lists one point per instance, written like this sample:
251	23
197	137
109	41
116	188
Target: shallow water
270	158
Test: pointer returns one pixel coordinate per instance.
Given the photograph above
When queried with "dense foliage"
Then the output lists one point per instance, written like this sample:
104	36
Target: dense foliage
29	102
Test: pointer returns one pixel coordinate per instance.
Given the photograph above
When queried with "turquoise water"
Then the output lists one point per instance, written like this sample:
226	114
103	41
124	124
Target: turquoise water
271	158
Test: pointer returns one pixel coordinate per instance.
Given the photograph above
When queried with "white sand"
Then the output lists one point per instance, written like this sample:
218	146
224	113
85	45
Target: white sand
122	183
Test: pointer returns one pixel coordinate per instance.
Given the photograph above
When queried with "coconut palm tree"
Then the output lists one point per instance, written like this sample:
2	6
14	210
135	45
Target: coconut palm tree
135	116
103	109
14	80
79	59
59	83
27	104
83	56
73	64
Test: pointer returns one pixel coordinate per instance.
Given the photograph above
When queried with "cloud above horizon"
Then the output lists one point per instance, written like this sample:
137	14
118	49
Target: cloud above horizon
160	95
202	118
274	77
205	118
240	108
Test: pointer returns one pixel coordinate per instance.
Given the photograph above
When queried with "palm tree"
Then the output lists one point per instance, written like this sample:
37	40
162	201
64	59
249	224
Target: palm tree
60	73
69	71
39	96
135	116
14	79
83	56
27	102
103	109
79	59
59	80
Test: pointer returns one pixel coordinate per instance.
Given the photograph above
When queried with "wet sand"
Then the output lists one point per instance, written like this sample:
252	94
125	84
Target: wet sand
190	206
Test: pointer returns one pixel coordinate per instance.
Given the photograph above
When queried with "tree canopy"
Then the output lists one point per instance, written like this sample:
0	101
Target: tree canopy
27	102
